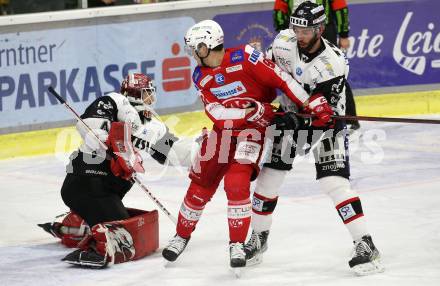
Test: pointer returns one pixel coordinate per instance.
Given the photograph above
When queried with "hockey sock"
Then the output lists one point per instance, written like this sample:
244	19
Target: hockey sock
239	219
348	204
265	198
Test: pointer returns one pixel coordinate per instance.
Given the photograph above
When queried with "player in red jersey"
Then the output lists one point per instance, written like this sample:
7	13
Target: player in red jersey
236	86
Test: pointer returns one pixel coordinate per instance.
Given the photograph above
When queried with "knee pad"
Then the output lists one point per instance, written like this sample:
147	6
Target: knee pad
269	182
346	200
198	196
238	181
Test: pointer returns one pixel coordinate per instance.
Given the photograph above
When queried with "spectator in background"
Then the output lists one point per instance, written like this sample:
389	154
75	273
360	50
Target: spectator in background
337	26
100	3
34	6
104	3
4	7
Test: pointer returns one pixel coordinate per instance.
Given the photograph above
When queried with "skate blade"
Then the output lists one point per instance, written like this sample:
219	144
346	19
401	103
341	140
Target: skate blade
167	263
257	259
237	271
369	268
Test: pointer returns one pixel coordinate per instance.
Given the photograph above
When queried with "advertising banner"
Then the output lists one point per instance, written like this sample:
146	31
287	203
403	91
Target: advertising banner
83	63
392	44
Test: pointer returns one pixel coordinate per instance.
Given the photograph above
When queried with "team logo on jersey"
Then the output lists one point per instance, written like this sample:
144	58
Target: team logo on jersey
253	58
237	56
232	89
298	71
220	79
234	68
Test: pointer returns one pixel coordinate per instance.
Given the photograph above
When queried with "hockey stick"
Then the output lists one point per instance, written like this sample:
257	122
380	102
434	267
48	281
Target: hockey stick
380	119
134	179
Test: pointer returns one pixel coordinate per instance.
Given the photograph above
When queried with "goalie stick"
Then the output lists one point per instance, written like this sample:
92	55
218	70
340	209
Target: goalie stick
134	179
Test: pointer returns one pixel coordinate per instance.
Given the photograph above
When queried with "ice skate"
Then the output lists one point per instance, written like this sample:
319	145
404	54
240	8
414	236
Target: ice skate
174	248
237	254
366	257
237	257
255	247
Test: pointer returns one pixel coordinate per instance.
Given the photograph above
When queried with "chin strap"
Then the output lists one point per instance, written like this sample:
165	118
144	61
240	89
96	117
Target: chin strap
201	59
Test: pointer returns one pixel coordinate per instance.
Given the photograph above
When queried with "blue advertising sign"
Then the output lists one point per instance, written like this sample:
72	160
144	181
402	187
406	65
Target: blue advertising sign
392	44
85	62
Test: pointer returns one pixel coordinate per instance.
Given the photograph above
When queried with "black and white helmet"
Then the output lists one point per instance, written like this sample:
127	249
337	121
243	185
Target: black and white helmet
308	14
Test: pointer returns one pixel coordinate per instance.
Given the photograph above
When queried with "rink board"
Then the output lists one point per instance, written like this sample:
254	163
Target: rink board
66	139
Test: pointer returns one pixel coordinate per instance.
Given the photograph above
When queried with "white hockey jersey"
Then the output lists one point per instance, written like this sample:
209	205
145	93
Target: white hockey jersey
323	72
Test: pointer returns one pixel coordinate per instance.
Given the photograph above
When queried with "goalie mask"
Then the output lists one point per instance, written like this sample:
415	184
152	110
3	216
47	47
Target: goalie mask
140	91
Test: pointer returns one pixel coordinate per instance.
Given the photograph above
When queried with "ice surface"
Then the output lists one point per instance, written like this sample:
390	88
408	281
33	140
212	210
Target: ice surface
308	244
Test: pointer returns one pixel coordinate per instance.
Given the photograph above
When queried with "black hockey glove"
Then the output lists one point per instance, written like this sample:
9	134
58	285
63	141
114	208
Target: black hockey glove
288	121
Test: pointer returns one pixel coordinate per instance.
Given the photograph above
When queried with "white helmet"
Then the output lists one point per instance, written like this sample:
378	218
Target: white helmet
207	32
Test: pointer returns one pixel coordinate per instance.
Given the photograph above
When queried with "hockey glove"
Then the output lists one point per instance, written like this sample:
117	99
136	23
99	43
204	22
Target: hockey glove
126	160
288	121
318	106
262	115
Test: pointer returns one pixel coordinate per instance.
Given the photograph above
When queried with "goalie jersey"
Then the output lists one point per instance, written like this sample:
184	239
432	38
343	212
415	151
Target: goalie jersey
149	135
323	72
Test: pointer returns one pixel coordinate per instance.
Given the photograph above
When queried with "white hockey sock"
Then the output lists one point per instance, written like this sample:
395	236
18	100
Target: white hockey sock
347	204
265	196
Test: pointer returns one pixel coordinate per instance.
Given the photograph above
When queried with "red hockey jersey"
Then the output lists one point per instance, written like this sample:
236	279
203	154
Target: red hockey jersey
243	73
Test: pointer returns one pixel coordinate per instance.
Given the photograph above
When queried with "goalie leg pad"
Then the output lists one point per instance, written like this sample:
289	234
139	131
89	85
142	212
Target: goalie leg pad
129	239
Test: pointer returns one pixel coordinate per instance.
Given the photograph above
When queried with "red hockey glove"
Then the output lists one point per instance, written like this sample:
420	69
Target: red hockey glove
262	115
319	107
126	160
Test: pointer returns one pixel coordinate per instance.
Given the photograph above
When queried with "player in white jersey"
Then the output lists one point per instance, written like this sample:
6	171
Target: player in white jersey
322	69
97	179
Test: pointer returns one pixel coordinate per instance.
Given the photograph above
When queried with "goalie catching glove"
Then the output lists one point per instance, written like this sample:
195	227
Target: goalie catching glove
126	160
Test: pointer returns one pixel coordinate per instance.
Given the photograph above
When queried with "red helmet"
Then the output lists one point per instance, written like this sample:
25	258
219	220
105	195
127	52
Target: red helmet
140	91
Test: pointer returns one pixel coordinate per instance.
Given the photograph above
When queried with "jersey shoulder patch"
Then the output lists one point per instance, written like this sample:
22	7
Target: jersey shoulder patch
286	36
253	55
236	56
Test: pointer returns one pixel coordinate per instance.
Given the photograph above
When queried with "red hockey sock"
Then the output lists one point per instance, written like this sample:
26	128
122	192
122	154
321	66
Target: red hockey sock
239	219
